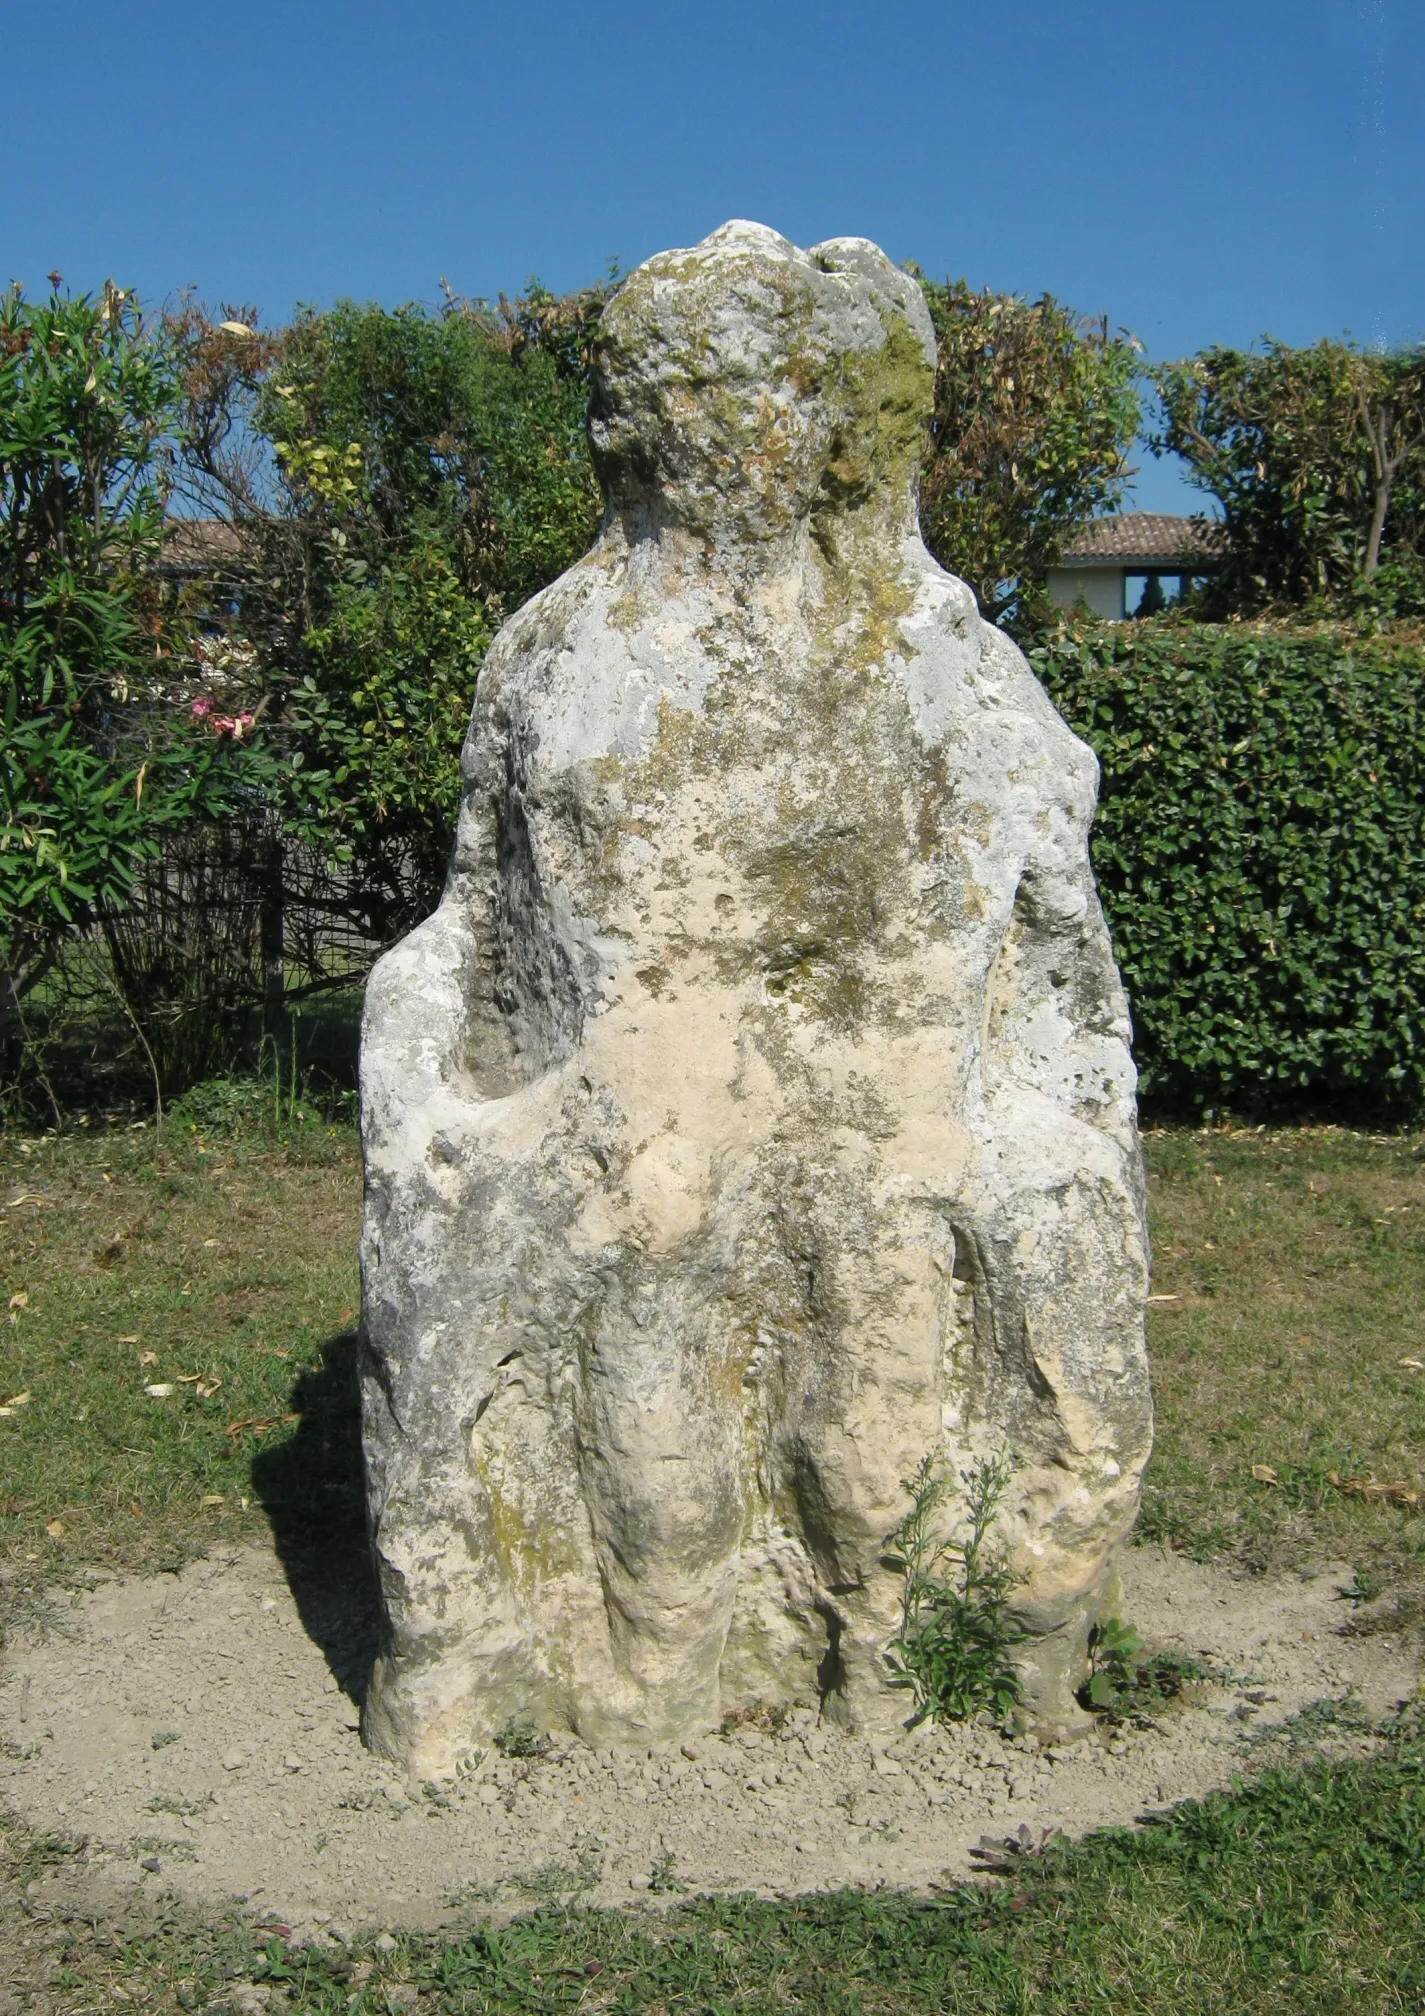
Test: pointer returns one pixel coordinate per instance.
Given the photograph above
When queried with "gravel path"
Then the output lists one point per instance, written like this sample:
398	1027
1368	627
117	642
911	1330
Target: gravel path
199	1732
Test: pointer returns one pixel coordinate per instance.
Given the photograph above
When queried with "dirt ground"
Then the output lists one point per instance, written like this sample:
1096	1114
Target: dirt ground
198	1734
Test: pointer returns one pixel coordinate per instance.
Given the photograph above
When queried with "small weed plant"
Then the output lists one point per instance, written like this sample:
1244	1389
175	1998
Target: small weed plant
1364	1587
562	1884
520	1738
769	1716
953	1648
273	1104
1331	1717
1125	1679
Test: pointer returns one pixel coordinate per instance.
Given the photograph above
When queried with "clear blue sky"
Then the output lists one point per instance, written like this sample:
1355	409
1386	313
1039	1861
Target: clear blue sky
1202	171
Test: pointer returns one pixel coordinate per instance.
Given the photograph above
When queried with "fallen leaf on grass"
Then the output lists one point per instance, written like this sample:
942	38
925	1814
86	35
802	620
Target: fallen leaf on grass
1371	1487
18	1400
148	1357
25	1197
1412	1364
55	1529
159	1392
216	1498
1264	1473
20	1300
1165	1298
132	1338
259	1423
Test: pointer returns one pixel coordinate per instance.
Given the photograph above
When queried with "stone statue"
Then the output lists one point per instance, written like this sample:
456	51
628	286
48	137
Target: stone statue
755	1116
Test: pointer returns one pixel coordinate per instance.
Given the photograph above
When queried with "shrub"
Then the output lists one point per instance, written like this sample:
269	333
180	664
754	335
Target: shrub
1316	458
1036	410
398	482
379	719
99	762
1260	853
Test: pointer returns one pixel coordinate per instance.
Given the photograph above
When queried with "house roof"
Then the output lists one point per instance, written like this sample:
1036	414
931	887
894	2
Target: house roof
1151	536
197	545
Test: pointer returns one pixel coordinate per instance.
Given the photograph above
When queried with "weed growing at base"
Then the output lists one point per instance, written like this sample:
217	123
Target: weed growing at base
519	1738
953	1648
1127	1680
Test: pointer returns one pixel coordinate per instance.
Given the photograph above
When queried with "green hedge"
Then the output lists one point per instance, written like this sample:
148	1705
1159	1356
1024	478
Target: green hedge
1260	852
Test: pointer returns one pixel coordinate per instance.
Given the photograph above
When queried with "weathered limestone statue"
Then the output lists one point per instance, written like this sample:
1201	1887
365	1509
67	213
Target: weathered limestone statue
755	1115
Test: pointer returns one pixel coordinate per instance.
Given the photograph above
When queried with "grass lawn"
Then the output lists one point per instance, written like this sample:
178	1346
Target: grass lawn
1289	1277
170	1313
221	1266
1303	1893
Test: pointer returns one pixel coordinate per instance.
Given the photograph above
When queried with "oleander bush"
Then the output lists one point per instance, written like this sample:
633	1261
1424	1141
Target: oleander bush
1260	853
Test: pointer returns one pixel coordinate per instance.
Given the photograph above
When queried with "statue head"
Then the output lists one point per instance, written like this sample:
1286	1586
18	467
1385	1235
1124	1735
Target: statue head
744	386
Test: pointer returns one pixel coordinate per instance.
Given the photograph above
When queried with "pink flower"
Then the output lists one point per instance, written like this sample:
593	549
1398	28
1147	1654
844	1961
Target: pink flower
202	707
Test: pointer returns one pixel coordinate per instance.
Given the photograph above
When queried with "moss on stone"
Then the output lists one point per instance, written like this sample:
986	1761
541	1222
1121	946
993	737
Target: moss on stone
884	398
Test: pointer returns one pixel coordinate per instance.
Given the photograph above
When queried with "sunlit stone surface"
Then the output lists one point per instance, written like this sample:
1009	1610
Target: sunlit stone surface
756	1113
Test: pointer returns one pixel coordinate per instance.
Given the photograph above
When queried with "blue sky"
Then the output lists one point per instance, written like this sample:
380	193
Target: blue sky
1201	171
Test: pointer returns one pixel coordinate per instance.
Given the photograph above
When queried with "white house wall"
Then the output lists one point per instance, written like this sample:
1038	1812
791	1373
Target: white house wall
1099	588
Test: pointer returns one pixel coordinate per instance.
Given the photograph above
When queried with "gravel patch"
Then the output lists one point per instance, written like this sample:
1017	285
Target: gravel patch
199	1733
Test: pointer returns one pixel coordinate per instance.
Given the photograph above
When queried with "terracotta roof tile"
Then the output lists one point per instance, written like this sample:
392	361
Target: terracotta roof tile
193	545
1143	535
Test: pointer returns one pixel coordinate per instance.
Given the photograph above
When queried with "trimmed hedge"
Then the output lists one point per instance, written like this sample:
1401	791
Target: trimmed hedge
1260	853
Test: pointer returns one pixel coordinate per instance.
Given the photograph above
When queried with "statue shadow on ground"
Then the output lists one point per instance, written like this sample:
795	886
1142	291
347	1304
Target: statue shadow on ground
312	1487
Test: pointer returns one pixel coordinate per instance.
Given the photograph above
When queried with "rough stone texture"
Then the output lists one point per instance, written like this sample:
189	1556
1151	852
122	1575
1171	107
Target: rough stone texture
755	1115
